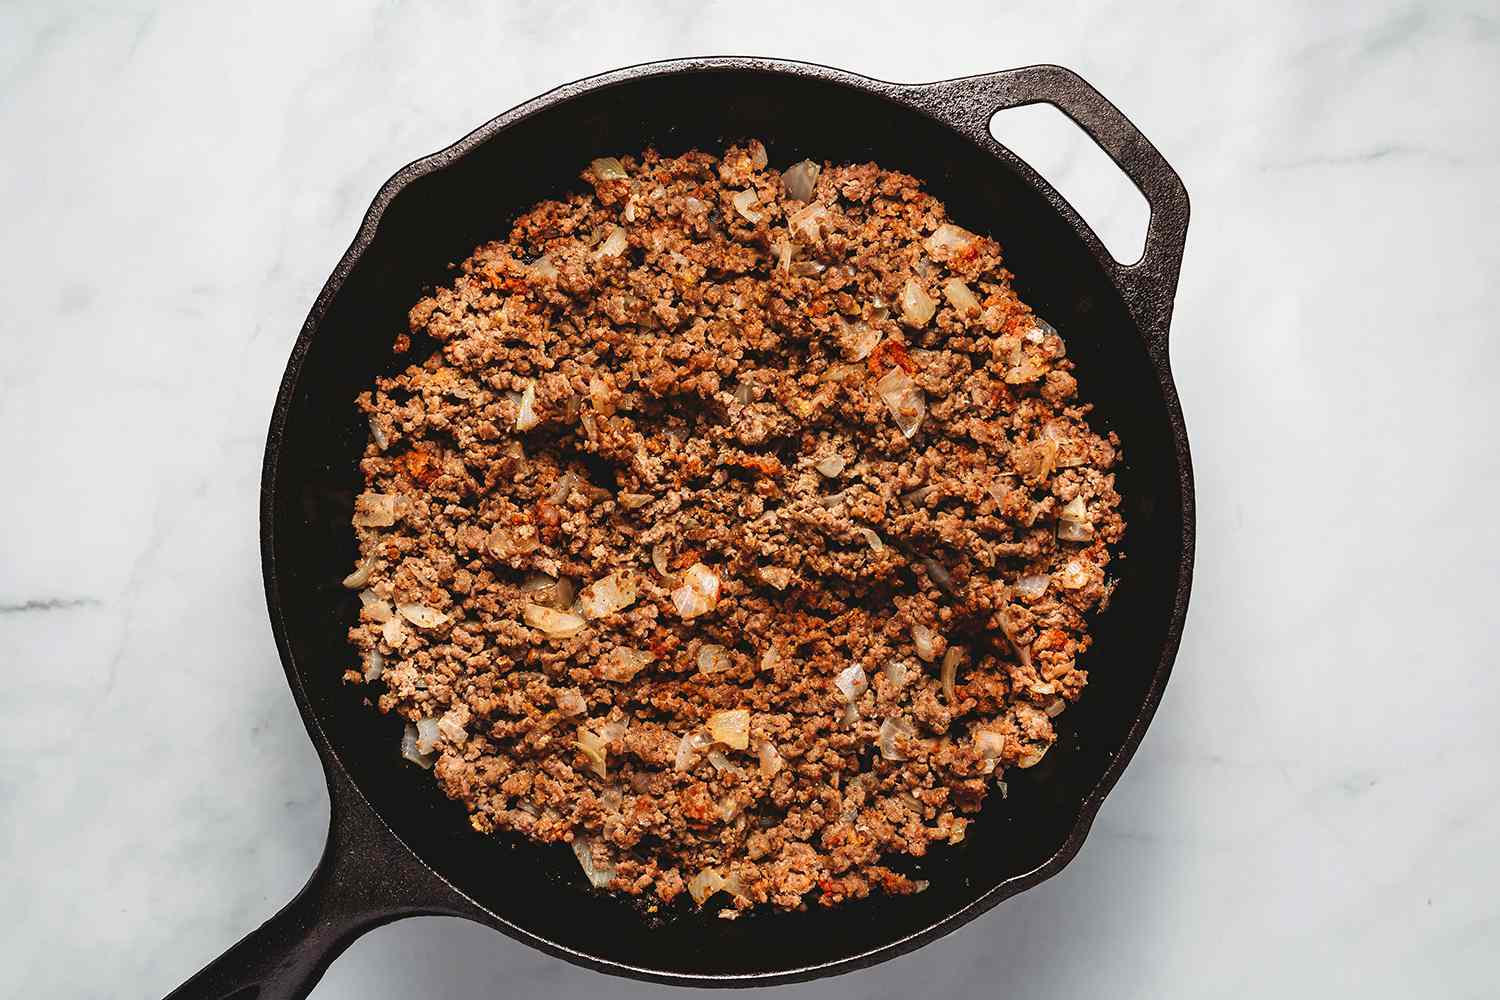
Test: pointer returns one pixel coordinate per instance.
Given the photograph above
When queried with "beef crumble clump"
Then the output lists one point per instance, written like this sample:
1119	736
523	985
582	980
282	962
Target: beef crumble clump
739	531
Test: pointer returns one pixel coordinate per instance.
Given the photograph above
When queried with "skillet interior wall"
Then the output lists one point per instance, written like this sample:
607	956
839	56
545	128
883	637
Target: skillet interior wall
437	219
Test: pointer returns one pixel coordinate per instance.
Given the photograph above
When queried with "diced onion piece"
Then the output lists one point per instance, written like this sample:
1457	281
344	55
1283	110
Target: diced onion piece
1033	586
872	540
570	702
361	574
605	596
744	202
1073	524
713	659
949	241
1074	576
770	758
393	632
562	594
705	884
536	582
960	297
563	488
917	306
1055	708
918	496
427	735
990	745
1031	758
614	244
851	682
526	417
699	593
926	641
378	435
622	663
599	876
660	552
731	728
800	179
379	609
607	168
896	673
948	673
720	762
689	749
891	730
594	748
829	465
554	623
756	150
421	615
807	222
542	267
907	403
1039	330
633	501
857	339
374	666
850	714
374	510
409	748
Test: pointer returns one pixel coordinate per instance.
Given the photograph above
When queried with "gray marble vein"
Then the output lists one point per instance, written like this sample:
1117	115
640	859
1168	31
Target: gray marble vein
1315	812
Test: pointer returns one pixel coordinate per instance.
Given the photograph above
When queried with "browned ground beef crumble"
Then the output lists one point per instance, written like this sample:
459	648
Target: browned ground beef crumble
665	386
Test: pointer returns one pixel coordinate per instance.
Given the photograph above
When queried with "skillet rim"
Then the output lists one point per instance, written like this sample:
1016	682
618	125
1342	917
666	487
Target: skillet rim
1154	341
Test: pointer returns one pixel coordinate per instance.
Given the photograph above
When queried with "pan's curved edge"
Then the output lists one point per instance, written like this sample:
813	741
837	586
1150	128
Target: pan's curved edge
334	770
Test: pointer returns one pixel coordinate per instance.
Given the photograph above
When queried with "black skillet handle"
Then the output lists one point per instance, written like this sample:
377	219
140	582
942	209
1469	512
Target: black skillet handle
364	879
1150	283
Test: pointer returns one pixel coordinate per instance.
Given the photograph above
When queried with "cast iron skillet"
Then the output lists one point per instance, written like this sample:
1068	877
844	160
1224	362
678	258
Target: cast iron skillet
396	847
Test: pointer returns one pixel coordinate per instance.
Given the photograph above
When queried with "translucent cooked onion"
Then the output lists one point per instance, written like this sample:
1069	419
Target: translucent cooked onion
537	581
990	746
660	553
562	594
872	540
1040	328
907	403
1031	758
614	244
594	747
608	168
891	730
896	673
542	267
451	729
1073	522
378	609
918	496
917	306
622	663
393	632
553	623
800	179
563	488
926	641
1055	708
770	758
409	748
699	593
570	702
599	876
1033	586
948	673
421	615
851	683
949	241
607	595
960	297
526	417
689	749
374	666
731	728
361	574
705	884
756	150
784	251
1074	576
745	202
829	465
713	659
721	763
857	339
808	222
428	735
378	434
633	501
374	510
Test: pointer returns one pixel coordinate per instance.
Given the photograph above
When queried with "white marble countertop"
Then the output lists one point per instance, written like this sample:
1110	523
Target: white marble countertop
1315	808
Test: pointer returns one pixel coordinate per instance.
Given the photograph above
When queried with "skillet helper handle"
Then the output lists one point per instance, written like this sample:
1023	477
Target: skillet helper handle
364	879
1150	283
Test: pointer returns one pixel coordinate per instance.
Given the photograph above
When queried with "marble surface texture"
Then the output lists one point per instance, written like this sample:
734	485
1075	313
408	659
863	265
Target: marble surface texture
1316	810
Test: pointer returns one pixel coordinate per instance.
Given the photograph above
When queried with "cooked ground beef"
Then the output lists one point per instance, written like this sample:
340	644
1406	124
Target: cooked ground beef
739	530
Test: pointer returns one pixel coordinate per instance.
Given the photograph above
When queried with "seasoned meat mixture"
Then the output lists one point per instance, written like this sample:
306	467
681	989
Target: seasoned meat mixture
739	530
